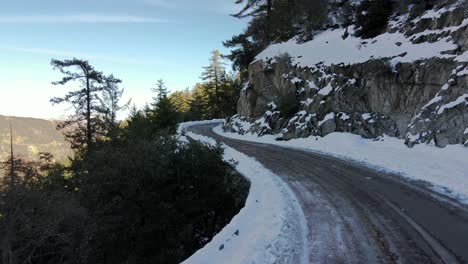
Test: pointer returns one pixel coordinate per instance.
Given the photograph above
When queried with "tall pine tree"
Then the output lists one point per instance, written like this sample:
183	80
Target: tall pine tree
213	75
83	100
109	99
163	115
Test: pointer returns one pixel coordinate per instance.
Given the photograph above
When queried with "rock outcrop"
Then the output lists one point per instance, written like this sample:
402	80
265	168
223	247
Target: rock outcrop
421	101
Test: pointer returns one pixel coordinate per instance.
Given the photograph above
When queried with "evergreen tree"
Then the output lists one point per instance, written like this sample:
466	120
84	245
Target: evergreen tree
243	52
232	85
139	126
212	76
83	100
372	17
110	104
163	115
181	102
273	21
199	109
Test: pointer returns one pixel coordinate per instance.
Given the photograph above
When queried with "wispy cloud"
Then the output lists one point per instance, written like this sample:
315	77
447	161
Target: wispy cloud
61	53
211	6
162	3
78	18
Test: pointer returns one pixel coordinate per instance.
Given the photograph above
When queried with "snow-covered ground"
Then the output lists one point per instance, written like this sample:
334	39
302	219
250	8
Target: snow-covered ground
330	47
271	228
445	168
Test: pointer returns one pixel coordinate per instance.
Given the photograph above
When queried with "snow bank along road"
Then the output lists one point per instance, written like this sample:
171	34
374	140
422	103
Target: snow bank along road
358	215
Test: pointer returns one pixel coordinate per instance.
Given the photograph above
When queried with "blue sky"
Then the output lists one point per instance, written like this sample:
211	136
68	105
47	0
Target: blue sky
139	41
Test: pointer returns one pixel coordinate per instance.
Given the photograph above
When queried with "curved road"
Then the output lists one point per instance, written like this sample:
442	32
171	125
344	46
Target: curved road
359	215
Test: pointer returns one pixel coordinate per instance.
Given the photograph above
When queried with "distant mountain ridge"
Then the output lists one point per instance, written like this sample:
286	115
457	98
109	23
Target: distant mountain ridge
31	136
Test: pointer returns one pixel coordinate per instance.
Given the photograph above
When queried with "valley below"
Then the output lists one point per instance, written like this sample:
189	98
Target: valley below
32	136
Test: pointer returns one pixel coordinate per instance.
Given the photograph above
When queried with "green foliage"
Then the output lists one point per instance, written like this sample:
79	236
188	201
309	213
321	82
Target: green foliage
109	106
288	105
96	104
420	6
40	221
131	194
273	21
163	115
372	17
199	108
243	52
82	100
138	126
156	201
181	100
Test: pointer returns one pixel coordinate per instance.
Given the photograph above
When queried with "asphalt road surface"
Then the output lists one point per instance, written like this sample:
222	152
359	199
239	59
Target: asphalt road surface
360	215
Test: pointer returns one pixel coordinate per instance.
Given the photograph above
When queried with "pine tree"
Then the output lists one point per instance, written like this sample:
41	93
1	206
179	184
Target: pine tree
163	115
181	100
139	126
111	95
254	8
213	75
83	100
199	108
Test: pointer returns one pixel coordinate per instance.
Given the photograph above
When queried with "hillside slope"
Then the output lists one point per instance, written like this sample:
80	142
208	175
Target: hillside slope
31	136
410	82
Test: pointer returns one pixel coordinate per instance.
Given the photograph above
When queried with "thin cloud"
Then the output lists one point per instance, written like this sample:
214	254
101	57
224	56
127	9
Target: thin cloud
61	53
223	8
161	3
79	18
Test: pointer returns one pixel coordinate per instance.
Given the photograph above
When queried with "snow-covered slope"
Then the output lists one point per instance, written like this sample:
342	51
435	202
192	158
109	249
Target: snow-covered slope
399	44
329	47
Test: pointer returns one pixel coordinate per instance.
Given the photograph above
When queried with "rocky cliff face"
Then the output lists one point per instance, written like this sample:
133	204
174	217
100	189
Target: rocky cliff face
415	95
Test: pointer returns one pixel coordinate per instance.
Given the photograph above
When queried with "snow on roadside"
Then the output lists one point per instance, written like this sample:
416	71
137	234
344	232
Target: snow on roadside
182	128
445	168
271	228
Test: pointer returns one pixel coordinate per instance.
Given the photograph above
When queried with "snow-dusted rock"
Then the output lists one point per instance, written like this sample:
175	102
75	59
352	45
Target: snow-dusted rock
413	89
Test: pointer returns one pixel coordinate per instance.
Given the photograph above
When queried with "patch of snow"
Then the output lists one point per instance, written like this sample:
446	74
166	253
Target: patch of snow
459	100
246	86
463	72
182	127
326	118
434	100
308	101
344	116
445	168
463	57
446	30
434	14
272	105
326	90
366	116
312	85
271	225
296	80
412	137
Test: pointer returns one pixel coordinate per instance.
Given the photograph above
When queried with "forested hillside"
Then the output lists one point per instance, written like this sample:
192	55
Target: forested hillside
32	136
132	192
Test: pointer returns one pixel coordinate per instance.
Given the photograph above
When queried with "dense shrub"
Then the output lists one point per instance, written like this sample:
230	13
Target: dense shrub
288	105
157	201
372	17
40	221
